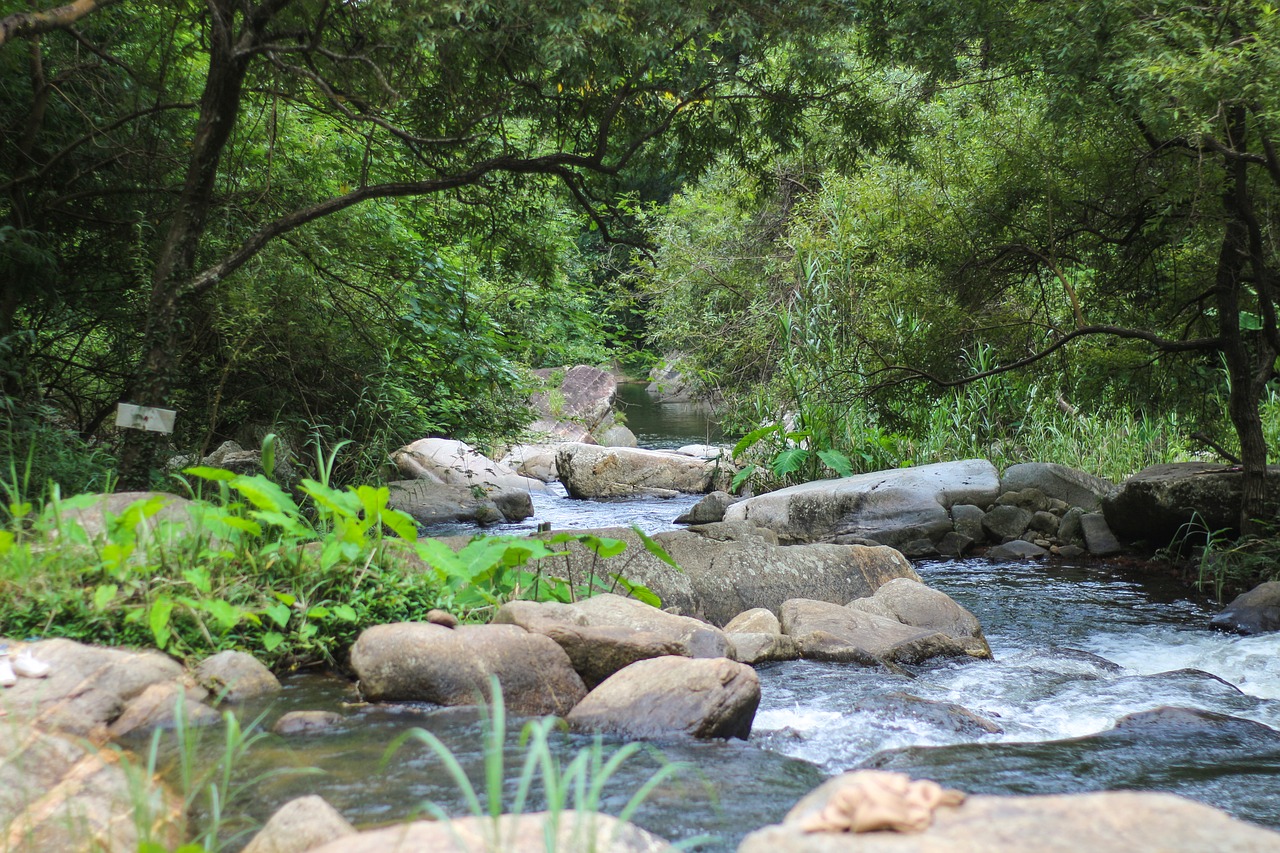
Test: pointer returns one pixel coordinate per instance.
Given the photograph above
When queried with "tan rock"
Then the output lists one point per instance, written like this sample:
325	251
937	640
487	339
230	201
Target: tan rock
757	620
667	696
418	661
301	825
233	676
912	603
754	648
156	707
824	631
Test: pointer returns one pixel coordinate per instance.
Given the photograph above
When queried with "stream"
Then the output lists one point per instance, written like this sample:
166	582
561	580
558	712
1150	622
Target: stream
1077	648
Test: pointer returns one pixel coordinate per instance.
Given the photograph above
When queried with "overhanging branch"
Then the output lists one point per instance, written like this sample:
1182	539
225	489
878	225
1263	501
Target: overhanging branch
28	24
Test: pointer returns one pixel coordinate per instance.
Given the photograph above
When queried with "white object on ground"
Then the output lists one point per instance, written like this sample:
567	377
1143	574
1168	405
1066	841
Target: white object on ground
7	677
28	667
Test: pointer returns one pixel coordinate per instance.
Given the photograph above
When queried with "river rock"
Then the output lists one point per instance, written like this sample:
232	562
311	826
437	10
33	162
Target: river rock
429	502
306	722
1098	537
617	435
1069	529
757	620
1031	499
728	568
575	832
1254	612
661	697
708	510
456	463
1104	822
1044	523
705	451
605	633
590	471
758	647
64	794
912	603
888	507
88	687
1073	487
946	716
1154	504
301	825
825	631
234	676
1018	549
419	661
1006	522
157	708
967	521
954	544
533	460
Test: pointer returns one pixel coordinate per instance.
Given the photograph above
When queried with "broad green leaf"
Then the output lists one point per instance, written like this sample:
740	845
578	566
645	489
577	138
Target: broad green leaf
317	612
748	440
158	620
6	542
264	494
638	591
286	598
789	461
836	461
741	477
104	595
345	612
656	549
602	547
272	640
199	578
214	475
279	614
401	524
226	614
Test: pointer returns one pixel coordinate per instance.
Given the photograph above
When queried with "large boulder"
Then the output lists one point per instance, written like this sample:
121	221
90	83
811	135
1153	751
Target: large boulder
912	603
430	502
1104	822
591	471
64	794
1075	488
728	568
533	460
582	402
301	825
423	662
88	687
234	676
886	507
1155	504
826	631
1254	612
443	460
605	633
572	831
666	696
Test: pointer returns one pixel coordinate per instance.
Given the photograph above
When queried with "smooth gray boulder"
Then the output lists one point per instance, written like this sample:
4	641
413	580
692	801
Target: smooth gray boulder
300	825
1075	488
954	544
443	460
591	471
967	520
888	507
1254	612
233	676
1069	529
1098	537
171	518
533	460
429	502
422	662
912	603
1006	522
825	631
728	568
947	716
606	633
157	708
1018	549
668	696
1102	822
709	510
1031	499
1160	502
584	397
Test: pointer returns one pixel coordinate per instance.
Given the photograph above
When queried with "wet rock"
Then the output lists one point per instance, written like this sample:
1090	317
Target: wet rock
889	507
753	648
1006	523
1044	522
87	687
418	661
708	510
1068	552
967	520
661	697
589	471
1105	822
1031	499
912	603
157	707
1182	723
954	544
455	463
1073	487
299	826
918	549
1254	612
574	832
1098	537
1155	503
307	722
826	631
1018	549
63	794
233	676
757	620
429	502
606	633
1069	529
946	716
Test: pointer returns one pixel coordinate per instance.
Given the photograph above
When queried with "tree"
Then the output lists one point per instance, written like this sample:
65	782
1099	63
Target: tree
425	99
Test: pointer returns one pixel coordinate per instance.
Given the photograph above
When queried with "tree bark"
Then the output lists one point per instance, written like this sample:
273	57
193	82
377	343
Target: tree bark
27	24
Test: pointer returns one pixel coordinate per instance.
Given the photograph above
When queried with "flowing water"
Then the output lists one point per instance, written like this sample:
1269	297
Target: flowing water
1077	648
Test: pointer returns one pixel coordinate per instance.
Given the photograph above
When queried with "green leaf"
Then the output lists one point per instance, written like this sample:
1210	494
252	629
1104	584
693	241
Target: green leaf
158	620
789	461
272	640
836	461
226	614
656	549
279	614
752	437
199	578
741	477
264	494
639	591
204	472
602	547
104	595
317	612
345	612
286	598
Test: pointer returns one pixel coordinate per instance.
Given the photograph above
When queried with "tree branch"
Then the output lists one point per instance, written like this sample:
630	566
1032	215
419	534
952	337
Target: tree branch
28	24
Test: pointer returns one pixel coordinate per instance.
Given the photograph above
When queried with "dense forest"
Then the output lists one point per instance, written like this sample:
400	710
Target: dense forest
1007	229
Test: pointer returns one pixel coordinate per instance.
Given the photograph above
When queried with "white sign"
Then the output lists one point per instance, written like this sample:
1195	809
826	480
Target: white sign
130	416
